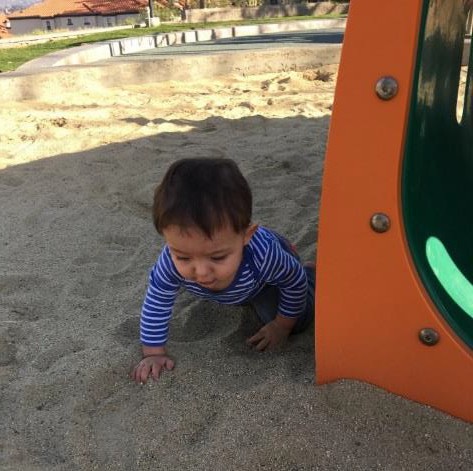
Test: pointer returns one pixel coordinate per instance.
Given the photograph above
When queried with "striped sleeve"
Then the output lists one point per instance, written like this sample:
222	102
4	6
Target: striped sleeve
163	285
281	269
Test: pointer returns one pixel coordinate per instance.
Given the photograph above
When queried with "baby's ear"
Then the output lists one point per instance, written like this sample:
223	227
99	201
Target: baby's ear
250	230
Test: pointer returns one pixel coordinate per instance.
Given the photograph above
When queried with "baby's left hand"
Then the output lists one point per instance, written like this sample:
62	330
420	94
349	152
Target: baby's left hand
269	336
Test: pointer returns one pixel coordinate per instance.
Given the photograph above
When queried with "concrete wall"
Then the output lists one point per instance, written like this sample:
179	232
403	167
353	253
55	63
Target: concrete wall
264	11
42	83
78	22
25	26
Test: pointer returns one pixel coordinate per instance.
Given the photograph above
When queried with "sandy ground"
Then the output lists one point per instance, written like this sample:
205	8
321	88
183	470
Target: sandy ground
78	172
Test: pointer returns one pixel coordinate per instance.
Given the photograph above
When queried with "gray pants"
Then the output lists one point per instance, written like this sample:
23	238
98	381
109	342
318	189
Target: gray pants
266	302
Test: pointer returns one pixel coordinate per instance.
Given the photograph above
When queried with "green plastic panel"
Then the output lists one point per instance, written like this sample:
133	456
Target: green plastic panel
437	173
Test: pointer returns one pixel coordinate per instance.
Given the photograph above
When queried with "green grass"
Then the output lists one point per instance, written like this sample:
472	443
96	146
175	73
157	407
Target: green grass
12	58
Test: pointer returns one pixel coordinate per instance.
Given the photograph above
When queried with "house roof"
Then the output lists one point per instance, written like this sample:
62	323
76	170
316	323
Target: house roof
51	8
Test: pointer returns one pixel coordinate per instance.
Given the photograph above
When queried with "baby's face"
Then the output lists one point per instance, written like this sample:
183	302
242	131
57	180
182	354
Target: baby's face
212	263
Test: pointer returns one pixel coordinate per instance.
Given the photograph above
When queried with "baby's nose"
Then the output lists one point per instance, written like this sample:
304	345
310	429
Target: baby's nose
201	270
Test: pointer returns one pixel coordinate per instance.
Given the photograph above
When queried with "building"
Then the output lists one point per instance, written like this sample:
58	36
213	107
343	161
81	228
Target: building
75	15
4	26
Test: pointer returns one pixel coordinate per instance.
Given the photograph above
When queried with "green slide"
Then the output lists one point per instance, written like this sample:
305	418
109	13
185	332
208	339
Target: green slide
437	173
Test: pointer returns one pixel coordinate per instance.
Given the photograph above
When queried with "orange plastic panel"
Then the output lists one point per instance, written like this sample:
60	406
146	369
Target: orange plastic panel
370	302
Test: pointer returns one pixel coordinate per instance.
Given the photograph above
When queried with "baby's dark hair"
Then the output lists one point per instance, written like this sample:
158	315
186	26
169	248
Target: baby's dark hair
207	193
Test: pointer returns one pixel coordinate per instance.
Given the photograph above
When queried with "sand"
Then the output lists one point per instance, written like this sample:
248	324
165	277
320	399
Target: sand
78	169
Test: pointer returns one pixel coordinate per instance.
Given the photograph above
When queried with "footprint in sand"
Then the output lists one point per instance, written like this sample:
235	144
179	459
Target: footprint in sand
195	320
128	331
62	350
7	346
10	180
112	256
108	265
139	202
27	297
120	242
309	197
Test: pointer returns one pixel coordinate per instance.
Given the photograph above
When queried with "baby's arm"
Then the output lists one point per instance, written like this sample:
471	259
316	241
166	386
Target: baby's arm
155	316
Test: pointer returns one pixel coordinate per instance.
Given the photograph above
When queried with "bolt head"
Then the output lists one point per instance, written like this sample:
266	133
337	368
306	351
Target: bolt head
380	222
386	88
429	336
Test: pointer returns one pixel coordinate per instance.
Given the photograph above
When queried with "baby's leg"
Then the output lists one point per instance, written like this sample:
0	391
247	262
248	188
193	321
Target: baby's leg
266	303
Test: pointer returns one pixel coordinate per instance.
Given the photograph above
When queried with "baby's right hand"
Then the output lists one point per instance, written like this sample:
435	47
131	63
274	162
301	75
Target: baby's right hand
151	366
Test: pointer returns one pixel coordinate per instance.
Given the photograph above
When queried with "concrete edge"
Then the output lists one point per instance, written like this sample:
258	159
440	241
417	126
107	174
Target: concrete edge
45	83
90	53
75	56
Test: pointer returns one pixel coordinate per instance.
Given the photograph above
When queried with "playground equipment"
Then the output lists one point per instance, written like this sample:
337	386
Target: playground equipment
394	297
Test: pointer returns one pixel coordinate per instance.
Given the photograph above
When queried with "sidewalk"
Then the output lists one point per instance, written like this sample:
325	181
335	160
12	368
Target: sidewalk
28	40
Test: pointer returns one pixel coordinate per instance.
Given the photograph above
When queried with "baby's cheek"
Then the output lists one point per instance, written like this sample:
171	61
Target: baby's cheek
182	269
231	268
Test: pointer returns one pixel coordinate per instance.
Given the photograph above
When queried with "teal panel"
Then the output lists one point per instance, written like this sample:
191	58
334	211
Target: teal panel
450	277
437	173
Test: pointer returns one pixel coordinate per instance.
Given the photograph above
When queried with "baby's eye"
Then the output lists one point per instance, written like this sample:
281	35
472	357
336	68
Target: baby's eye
219	258
182	259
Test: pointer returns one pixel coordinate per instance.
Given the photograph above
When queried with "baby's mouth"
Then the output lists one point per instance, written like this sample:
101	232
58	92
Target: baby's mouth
206	283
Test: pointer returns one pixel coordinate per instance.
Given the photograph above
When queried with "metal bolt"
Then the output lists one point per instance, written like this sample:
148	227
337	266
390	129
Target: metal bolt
386	88
380	222
429	337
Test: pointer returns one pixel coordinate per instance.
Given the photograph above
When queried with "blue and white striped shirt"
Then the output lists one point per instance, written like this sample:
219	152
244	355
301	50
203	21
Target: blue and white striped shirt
265	262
